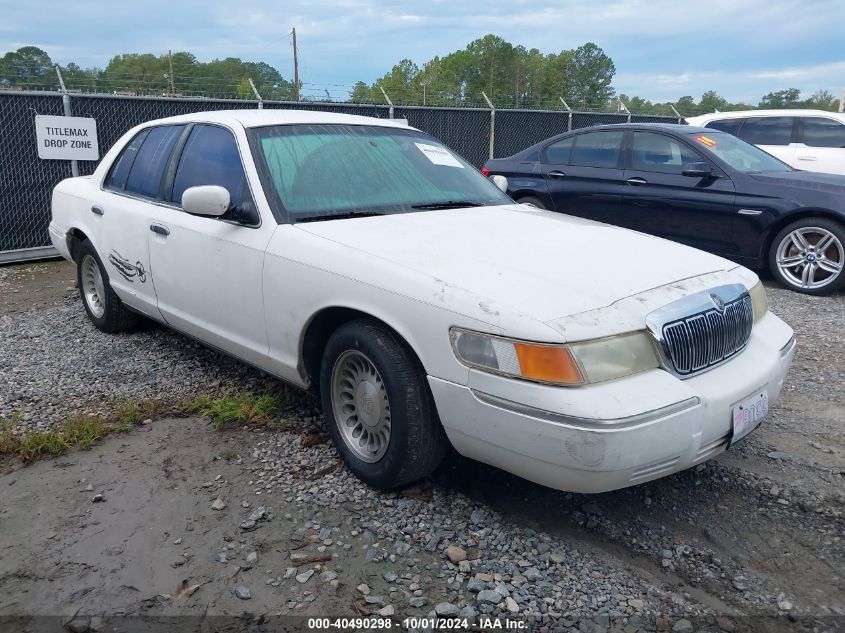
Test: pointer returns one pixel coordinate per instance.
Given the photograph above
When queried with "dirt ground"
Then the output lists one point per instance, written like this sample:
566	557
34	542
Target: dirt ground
769	512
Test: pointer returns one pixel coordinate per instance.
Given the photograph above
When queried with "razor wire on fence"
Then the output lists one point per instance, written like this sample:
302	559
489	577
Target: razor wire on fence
26	181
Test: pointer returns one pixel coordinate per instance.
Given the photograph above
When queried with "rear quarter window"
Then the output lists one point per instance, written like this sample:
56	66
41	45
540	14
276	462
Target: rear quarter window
731	126
821	132
120	169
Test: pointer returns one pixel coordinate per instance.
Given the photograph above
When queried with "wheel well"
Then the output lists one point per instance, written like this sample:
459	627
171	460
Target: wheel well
74	238
317	334
542	197
799	215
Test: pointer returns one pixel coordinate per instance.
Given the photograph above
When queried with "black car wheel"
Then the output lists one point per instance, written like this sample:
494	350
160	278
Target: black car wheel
809	255
377	405
534	202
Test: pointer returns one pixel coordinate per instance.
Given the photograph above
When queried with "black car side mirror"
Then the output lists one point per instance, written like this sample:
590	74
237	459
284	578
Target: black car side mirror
698	170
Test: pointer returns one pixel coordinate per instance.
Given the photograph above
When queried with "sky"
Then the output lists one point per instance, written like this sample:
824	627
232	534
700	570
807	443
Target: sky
662	49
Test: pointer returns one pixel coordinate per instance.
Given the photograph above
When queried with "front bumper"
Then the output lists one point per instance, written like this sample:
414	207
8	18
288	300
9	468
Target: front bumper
615	434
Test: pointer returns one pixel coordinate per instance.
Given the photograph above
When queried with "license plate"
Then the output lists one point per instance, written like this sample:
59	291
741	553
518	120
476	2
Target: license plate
748	414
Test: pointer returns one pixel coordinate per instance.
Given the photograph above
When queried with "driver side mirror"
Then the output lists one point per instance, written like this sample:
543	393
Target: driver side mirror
208	200
501	182
698	170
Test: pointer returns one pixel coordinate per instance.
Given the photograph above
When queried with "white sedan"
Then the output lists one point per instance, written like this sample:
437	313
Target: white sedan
362	259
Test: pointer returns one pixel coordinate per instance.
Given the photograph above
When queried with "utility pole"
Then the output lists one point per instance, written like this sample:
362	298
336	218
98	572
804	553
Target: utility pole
295	67
170	76
842	102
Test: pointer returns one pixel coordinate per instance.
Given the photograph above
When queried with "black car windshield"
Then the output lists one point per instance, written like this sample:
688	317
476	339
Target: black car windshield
331	171
738	154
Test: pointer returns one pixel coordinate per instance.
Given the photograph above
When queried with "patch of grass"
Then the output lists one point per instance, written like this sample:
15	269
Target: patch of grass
229	453
128	413
80	433
243	408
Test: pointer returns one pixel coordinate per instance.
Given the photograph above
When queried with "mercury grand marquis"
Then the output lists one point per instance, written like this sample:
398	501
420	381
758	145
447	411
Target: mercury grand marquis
364	260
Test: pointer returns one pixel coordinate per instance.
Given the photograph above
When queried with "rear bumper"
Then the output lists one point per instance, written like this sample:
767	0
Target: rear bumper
615	434
58	236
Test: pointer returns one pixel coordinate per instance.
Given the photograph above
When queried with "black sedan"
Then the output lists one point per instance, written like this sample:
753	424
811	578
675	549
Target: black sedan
693	185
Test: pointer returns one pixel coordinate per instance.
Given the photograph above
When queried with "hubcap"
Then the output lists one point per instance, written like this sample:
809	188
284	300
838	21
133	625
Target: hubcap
810	257
360	405
92	286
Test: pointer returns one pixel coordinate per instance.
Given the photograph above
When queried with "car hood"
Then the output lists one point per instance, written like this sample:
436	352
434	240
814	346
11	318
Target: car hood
539	263
807	180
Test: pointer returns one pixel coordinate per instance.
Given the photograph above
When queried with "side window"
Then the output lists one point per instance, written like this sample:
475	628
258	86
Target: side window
151	160
211	157
658	153
120	169
731	126
767	130
821	132
597	149
558	152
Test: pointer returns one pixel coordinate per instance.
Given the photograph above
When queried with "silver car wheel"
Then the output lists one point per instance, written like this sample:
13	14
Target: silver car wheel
810	257
92	286
361	406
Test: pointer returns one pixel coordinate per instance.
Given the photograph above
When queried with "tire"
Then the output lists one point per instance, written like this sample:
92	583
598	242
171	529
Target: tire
534	202
103	306
815	272
372	383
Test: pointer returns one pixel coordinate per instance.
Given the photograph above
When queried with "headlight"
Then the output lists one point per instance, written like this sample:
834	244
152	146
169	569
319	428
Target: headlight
574	364
759	301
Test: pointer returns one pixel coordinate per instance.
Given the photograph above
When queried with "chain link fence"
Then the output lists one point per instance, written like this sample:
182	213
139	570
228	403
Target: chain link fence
26	182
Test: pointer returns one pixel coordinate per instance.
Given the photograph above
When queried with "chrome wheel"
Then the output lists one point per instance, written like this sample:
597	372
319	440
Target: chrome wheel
92	286
810	257
361	407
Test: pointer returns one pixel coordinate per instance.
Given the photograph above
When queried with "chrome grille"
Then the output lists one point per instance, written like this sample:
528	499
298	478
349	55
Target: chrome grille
702	340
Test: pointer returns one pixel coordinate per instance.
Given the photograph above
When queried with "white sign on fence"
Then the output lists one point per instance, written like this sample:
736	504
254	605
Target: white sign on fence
66	138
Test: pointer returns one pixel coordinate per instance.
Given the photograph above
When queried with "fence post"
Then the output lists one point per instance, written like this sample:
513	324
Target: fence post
624	107
74	166
568	114
842	102
255	92
389	102
492	123
677	114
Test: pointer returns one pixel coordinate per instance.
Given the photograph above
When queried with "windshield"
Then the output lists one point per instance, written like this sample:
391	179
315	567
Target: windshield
331	171
738	154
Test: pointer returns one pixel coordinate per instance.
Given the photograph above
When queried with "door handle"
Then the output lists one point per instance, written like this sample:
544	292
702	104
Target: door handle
556	174
636	181
807	158
160	229
96	210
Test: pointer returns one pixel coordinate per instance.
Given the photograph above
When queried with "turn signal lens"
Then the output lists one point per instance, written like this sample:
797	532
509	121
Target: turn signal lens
759	301
547	363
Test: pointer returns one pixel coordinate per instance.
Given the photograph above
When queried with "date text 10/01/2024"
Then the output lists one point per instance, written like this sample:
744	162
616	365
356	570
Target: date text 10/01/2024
484	622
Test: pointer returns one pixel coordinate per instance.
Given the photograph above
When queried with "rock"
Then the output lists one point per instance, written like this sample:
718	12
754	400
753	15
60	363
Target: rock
377	600
489	596
387	611
252	558
258	514
248	525
478	517
778	455
511	605
98	498
218	504
636	604
468	613
79	624
682	626
242	592
390	576
455	554
475	585
328	576
446	610
666	553
418	601
304	576
364	589
464	567
784	605
484	577
533	574
725	623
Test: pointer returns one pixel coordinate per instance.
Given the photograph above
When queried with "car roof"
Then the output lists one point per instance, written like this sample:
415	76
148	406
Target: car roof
261	118
716	116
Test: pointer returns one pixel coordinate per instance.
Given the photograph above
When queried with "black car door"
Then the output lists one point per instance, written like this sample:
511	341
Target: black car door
584	176
660	200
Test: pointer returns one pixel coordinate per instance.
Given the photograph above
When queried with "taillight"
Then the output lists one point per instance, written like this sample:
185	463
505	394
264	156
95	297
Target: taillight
485	171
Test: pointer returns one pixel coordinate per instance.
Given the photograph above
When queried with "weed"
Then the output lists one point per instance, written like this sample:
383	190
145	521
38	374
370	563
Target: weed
243	408
229	453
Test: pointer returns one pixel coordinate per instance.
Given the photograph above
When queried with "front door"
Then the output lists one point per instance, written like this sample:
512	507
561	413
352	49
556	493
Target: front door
660	200
584	176
208	271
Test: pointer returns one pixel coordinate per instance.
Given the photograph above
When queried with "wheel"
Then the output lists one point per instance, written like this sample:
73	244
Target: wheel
532	201
808	256
104	307
378	408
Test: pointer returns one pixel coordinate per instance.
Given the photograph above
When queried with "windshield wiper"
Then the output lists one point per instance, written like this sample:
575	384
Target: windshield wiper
339	216
449	204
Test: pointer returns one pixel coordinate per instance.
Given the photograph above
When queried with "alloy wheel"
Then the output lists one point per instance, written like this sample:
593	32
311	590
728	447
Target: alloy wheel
810	257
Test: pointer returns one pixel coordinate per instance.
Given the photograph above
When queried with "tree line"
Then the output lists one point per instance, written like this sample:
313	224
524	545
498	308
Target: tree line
510	76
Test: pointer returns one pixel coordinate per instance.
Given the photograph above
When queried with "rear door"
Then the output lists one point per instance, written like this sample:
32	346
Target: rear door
126	207
208	270
773	134
821	145
661	201
584	175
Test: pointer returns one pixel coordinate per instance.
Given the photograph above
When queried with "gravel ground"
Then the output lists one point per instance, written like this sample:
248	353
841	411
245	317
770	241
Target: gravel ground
752	540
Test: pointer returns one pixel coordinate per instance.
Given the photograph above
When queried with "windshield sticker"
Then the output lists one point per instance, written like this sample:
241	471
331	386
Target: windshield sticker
438	155
706	140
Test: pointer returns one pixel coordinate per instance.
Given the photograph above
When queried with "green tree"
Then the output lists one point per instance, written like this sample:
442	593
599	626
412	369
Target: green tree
592	76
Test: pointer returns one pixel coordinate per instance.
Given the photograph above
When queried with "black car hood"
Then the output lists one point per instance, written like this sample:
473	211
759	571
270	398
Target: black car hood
807	180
